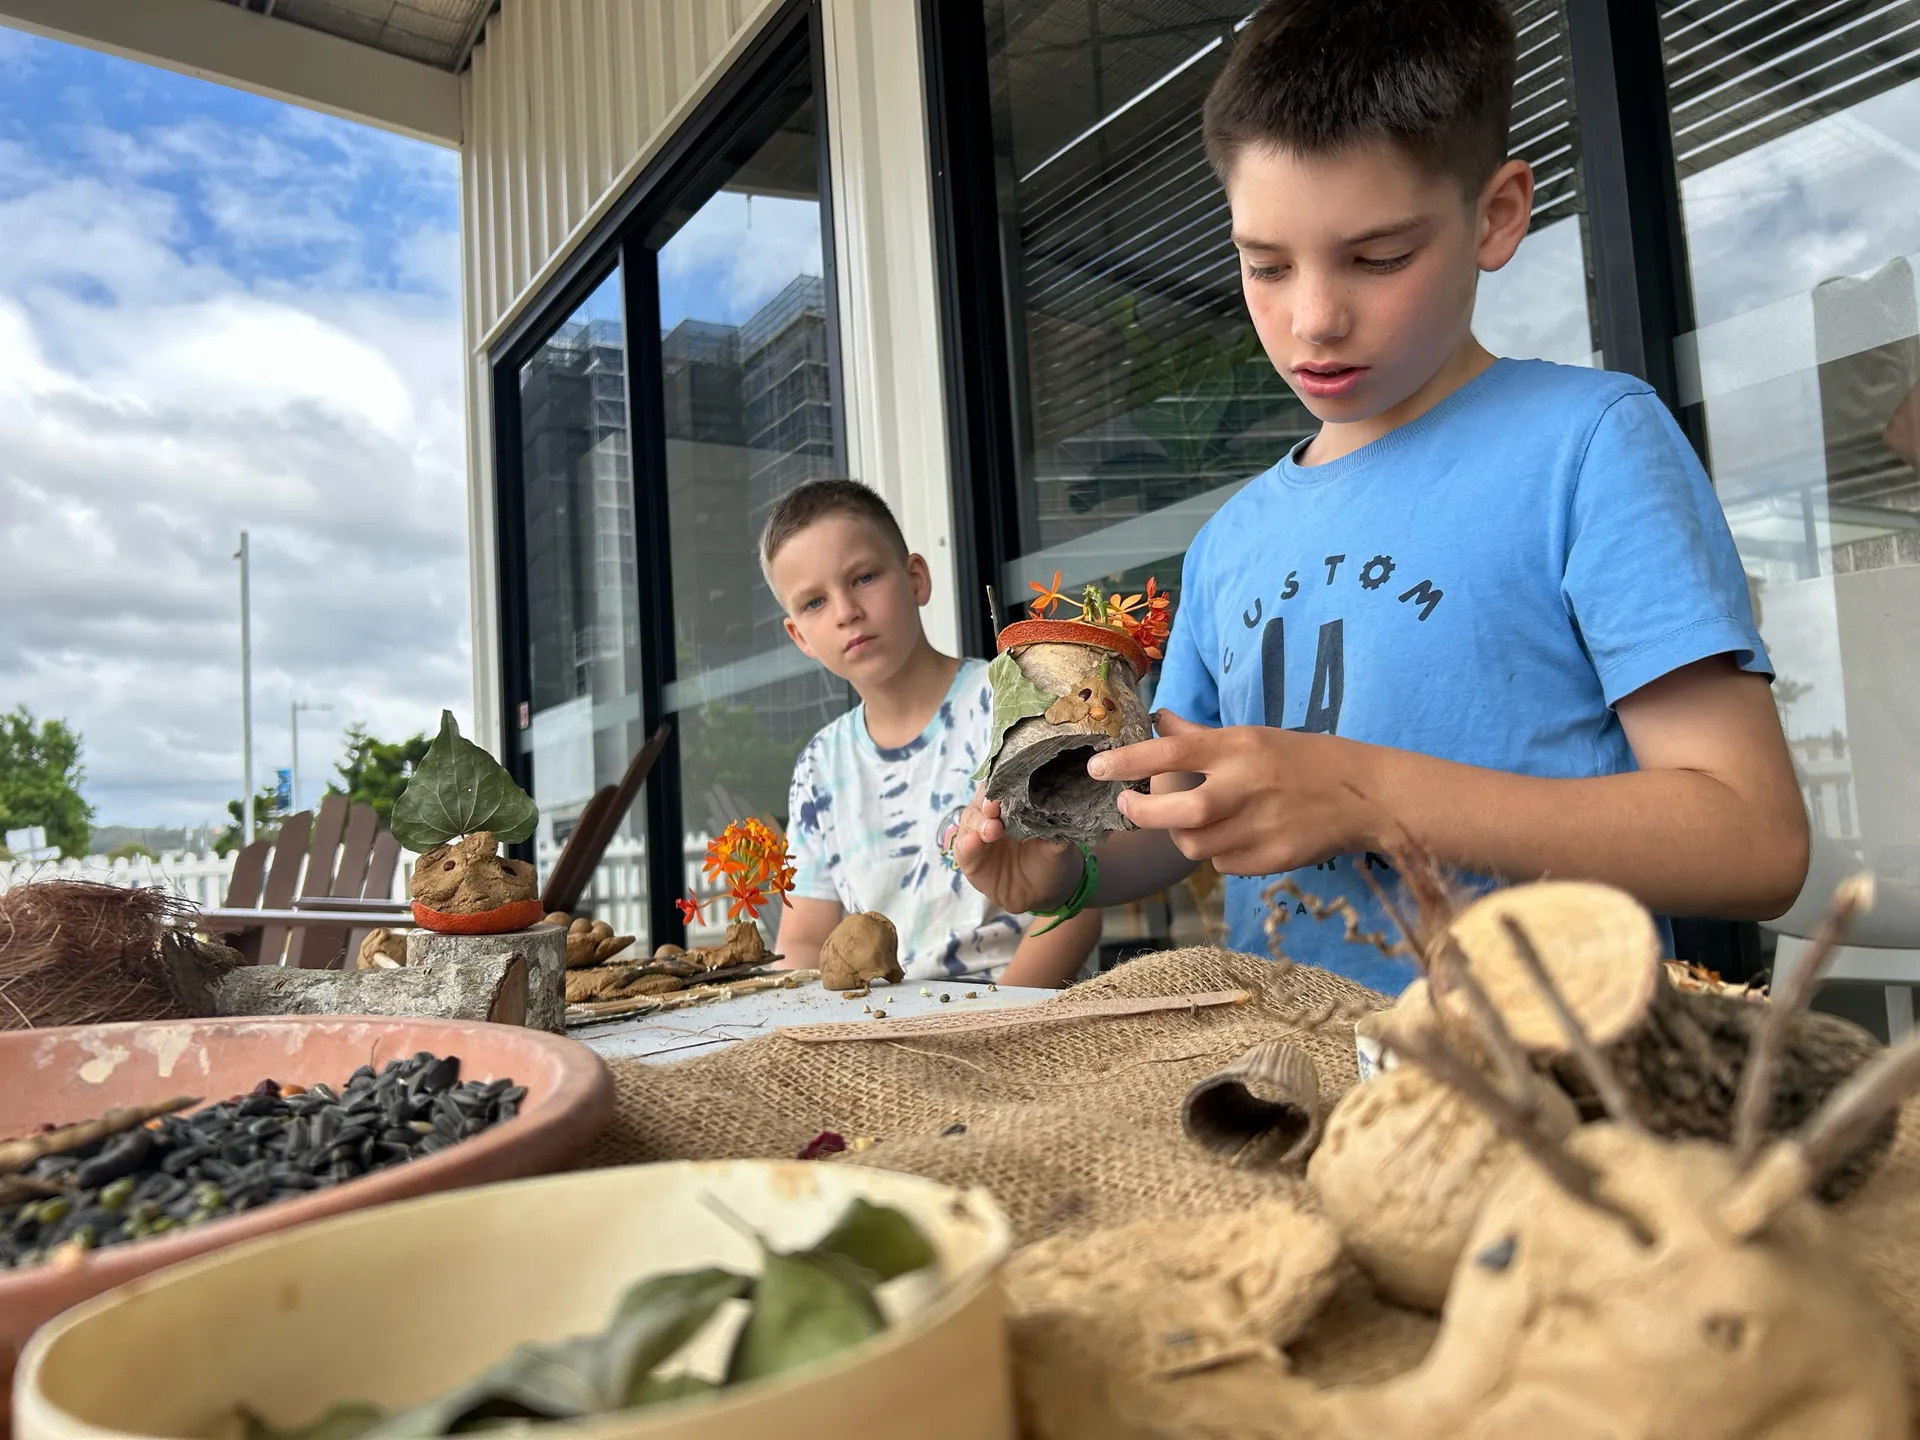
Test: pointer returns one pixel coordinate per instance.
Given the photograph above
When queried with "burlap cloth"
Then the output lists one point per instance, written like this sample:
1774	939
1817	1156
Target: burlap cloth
1075	1128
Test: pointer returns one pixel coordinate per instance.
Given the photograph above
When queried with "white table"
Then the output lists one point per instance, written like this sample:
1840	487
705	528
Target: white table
702	1029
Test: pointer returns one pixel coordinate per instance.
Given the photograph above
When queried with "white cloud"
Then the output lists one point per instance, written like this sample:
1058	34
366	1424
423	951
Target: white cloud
157	395
737	253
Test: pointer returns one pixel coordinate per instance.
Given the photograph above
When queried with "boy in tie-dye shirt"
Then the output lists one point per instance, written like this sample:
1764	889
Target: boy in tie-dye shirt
878	792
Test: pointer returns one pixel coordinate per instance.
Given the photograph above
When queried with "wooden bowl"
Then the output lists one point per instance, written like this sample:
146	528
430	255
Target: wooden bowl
1077	632
396	1305
75	1073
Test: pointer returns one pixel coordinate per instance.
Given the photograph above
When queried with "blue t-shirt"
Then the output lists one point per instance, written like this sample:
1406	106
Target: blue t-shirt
1481	585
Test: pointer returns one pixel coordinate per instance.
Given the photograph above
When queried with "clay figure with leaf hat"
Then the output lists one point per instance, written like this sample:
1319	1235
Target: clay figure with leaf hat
1064	689
457	810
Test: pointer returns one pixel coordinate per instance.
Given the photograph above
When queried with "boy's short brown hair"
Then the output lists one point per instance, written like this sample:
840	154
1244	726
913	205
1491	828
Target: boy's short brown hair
818	500
1434	77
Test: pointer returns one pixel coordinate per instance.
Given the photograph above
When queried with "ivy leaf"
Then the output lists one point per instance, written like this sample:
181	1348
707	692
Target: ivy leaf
457	790
655	1390
1015	698
805	1308
879	1239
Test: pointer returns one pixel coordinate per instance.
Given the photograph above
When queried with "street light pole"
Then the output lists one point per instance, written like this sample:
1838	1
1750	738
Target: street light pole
297	707
246	697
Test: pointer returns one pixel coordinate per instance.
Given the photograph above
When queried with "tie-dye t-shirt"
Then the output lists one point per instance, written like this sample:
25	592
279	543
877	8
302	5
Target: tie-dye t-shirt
864	827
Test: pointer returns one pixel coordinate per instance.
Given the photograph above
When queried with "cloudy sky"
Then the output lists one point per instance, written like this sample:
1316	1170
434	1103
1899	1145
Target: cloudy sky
216	313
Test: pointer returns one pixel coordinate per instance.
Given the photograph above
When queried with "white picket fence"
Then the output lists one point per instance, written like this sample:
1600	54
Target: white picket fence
617	895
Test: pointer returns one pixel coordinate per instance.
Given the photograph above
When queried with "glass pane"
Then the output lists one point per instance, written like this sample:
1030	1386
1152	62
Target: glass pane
1140	386
583	640
749	415
1142	398
1797	135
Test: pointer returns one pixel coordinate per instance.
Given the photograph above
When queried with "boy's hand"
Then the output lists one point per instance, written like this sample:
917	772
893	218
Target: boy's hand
1269	800
1018	876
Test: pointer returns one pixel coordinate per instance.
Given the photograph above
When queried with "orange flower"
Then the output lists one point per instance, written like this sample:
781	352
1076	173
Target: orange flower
690	910
1045	597
751	858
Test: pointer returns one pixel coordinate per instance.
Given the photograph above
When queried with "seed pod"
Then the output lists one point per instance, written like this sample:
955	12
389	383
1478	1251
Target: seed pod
1269	1097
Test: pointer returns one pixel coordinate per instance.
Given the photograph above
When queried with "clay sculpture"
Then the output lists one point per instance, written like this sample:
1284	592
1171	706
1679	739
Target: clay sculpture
459	805
1064	690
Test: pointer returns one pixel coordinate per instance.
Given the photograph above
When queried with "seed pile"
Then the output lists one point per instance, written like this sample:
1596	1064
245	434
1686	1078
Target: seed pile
272	1144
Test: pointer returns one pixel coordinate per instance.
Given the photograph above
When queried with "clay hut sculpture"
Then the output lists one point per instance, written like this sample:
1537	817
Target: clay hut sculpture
1064	690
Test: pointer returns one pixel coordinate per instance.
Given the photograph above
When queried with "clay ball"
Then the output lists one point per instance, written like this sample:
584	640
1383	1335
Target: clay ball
862	947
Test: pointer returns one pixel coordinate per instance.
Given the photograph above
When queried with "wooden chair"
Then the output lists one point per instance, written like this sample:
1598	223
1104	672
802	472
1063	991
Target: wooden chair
342	864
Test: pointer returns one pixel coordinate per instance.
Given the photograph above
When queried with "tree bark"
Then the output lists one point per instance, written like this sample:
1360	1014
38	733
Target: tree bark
491	988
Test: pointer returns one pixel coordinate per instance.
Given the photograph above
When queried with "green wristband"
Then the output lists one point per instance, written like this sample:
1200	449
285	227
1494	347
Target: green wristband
1082	893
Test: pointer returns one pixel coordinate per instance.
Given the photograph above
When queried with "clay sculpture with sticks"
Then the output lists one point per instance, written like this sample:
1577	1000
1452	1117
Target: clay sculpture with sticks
1064	690
1616	1282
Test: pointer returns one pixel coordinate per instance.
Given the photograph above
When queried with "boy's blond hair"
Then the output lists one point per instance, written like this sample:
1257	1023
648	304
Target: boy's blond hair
819	500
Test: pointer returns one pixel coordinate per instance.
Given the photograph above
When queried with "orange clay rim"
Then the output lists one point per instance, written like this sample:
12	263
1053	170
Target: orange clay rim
1076	632
515	915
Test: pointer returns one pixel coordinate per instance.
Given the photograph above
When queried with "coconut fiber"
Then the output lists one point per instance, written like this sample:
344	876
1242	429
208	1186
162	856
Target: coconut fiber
1075	1129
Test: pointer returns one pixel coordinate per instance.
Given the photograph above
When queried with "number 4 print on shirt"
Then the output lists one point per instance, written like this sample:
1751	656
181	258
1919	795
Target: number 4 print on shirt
1329	677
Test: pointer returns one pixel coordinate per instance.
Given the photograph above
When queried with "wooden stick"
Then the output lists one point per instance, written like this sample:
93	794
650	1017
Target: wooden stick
1515	1068
1572	1174
596	1012
993	610
1050	1012
16	1155
1600	1074
1753	1107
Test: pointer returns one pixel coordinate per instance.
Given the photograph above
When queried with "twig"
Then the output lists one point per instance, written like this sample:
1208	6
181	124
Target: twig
15	1188
1326	909
1794	1166
1515	1068
1754	1105
1422	877
1600	1074
16	1155
1052	1012
993	610
1571	1173
1400	922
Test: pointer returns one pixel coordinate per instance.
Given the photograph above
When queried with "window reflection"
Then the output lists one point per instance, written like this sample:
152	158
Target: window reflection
1798	142
583	643
750	414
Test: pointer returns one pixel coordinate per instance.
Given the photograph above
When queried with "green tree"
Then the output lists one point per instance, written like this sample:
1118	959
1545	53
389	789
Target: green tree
132	850
267	816
375	771
40	777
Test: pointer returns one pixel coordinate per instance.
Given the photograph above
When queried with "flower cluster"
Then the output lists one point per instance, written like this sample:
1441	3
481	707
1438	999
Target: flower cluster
751	858
1147	617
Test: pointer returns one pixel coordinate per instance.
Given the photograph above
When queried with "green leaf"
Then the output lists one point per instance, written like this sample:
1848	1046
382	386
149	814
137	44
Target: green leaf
1015	698
586	1375
654	1390
879	1239
348	1420
805	1308
459	789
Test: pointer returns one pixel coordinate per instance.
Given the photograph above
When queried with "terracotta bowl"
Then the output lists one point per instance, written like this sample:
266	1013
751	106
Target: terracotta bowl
517	915
75	1073
1076	632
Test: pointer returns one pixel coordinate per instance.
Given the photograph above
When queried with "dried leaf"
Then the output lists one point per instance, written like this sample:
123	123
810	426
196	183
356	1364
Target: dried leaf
879	1240
1015	698
586	1375
457	790
805	1308
655	1390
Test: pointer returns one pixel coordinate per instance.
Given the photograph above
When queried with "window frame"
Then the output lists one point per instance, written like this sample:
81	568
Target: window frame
1636	248
700	152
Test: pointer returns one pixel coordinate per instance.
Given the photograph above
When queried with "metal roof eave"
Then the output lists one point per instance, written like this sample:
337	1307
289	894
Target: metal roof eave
231	46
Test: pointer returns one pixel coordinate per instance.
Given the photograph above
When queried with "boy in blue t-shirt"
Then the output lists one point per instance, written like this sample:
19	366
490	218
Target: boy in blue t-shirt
1492	604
